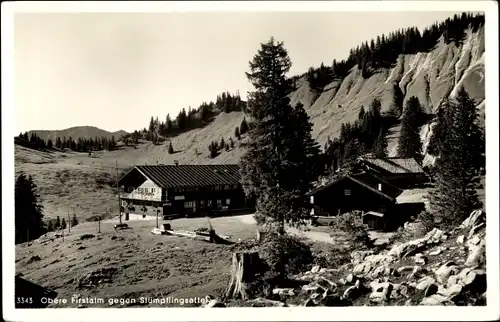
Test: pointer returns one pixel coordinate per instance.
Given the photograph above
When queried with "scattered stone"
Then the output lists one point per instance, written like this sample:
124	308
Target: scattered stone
350	278
284	291
86	236
460	239
408	303
431	290
476	217
475	229
475	240
476	281
425	282
450	292
420	260
435	252
315	269
310	302
477	255
447	269
436	299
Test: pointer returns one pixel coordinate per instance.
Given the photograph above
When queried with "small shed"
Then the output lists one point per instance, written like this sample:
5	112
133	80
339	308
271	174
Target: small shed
374	220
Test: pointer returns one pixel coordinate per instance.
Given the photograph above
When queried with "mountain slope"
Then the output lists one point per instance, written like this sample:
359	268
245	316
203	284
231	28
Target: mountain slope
77	132
428	76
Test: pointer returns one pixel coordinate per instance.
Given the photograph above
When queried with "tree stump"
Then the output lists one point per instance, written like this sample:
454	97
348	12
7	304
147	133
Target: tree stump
244	267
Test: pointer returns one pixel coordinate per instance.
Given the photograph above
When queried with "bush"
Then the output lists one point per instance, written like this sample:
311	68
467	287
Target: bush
284	254
416	228
351	224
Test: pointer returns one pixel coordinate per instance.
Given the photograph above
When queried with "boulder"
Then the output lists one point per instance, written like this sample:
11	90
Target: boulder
362	269
475	281
436	299
431	289
447	269
315	269
435	252
382	270
460	239
420	260
309	302
284	291
425	282
476	217
450	292
477	254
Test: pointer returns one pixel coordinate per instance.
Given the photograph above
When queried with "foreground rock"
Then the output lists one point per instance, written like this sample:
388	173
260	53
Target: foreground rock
452	272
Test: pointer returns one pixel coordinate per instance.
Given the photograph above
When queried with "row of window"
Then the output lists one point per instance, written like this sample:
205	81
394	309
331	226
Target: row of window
146	190
192	204
180	190
216	188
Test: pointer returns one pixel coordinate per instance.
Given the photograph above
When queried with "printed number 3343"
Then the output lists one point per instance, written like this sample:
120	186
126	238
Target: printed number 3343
23	300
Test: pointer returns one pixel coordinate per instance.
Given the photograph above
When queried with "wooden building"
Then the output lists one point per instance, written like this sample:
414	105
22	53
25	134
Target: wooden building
362	191
404	173
181	190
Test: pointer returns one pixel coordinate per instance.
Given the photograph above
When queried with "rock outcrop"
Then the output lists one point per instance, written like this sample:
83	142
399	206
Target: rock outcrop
410	273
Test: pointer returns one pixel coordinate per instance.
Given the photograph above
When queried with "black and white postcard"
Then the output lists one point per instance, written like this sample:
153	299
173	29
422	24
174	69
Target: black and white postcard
238	160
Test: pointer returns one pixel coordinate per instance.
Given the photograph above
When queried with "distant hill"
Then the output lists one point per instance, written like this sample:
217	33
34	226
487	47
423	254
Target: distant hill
78	132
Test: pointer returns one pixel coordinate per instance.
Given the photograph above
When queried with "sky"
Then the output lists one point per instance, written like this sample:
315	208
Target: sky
116	70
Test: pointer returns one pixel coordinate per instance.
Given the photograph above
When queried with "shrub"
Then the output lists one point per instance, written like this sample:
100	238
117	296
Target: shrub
416	228
284	254
351	225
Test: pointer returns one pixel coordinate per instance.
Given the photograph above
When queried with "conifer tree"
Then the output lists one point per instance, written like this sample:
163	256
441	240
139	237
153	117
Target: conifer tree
28	212
231	143
278	166
410	145
74	220
222	143
380	146
63	223
458	167
170	148
50	225
237	133
243	126
57	224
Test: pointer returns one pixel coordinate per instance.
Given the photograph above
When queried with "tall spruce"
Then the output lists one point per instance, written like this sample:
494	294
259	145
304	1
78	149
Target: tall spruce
461	158
380	146
28	211
170	148
410	145
280	162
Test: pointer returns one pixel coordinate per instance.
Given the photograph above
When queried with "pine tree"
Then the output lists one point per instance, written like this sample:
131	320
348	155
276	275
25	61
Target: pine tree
237	133
151	125
361	113
410	145
231	143
50	225
57	224
63	224
170	148
277	168
222	143
28	212
74	220
243	126
458	167
213	149
380	146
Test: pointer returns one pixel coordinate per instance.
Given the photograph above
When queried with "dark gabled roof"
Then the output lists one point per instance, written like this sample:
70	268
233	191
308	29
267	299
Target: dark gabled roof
173	176
368	181
395	165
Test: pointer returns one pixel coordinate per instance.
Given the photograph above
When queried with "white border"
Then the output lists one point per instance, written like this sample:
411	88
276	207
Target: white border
491	312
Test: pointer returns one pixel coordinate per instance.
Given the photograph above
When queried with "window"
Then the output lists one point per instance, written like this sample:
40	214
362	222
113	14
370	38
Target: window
189	204
347	192
228	201
219	202
202	202
209	202
152	190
